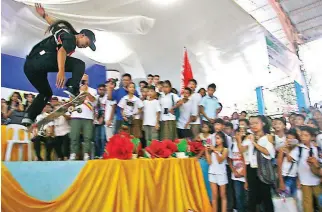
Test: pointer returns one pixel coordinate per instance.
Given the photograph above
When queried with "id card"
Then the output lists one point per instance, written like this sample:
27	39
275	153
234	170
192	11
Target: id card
253	161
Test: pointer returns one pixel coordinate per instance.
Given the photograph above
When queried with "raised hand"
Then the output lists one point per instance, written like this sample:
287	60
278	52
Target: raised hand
40	10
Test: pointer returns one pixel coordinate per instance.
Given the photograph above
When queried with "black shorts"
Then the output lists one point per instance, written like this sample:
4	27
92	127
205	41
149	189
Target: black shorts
184	133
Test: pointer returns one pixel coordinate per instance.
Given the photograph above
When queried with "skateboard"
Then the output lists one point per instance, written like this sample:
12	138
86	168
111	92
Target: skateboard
69	106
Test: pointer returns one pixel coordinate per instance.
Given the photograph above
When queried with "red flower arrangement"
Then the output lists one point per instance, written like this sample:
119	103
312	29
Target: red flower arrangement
195	147
162	149
119	146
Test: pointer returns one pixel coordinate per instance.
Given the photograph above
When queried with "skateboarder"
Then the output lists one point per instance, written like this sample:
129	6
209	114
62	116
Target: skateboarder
53	55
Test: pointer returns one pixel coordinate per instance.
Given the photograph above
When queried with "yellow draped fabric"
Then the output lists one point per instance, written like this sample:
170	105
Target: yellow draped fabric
142	185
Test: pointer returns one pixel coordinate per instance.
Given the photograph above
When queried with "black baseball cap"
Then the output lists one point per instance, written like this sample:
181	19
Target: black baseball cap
90	34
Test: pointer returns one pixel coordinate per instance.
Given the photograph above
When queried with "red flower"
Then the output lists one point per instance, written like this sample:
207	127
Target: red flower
195	146
171	145
176	141
119	146
158	149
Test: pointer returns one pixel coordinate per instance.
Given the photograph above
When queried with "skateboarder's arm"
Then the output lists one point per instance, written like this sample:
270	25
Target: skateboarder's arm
41	11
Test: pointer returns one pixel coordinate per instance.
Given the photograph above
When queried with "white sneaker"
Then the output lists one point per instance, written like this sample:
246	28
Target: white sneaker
86	156
72	156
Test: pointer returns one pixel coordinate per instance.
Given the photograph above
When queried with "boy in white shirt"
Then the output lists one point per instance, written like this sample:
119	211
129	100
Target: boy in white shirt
109	109
310	183
186	114
131	109
151	115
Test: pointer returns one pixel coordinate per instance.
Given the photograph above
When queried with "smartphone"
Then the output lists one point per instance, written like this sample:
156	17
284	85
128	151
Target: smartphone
311	152
204	143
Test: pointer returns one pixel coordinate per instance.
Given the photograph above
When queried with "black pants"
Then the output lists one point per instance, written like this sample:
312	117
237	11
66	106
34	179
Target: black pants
230	191
36	69
184	133
63	143
259	192
50	144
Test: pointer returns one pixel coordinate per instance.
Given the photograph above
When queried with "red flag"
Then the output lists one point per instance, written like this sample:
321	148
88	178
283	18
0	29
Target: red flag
186	73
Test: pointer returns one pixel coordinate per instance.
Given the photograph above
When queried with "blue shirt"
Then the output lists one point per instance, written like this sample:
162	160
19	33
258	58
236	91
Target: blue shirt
210	105
117	95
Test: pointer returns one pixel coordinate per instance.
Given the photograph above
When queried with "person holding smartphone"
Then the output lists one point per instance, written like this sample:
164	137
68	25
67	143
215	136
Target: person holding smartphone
287	162
15	109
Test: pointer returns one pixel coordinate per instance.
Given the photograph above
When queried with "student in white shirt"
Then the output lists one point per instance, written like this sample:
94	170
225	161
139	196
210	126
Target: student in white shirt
151	115
131	110
217	171
205	137
206	134
310	183
45	135
83	122
287	162
279	125
109	109
258	143
238	171
168	101
62	130
186	115
99	122
219	125
196	98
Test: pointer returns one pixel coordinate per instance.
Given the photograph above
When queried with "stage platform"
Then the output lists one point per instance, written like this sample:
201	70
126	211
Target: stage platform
106	185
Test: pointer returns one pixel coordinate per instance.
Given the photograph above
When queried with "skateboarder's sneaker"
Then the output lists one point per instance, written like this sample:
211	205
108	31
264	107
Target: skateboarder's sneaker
72	91
26	121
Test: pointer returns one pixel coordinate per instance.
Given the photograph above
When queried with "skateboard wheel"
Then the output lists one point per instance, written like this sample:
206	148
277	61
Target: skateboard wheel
71	109
79	110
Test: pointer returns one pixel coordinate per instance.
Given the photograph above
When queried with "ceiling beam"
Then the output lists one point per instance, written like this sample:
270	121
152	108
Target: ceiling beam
287	25
306	7
310	19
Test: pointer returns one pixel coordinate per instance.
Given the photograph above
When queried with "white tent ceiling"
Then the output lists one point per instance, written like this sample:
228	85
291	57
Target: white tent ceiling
225	44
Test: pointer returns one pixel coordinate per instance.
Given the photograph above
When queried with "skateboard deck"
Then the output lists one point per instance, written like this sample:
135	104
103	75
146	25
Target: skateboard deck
69	106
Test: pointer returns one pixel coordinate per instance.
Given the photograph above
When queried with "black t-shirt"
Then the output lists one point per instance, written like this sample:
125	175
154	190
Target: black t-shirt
60	38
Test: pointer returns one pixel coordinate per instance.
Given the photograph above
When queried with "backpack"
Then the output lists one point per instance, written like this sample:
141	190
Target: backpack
265	170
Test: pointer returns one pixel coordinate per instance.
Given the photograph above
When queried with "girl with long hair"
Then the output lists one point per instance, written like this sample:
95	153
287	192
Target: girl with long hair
260	152
217	159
